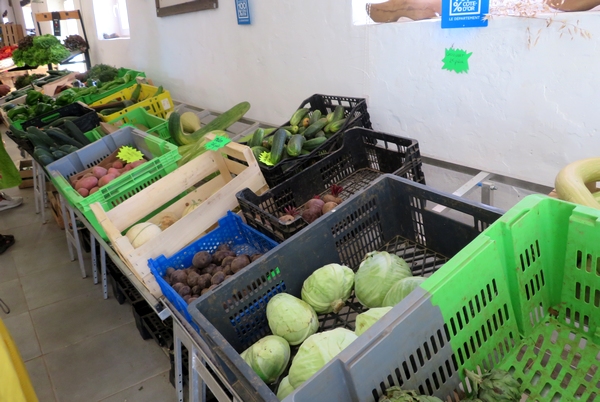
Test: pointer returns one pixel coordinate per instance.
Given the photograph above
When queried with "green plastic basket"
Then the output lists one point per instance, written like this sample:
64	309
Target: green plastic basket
155	124
95	134
524	296
89	99
162	156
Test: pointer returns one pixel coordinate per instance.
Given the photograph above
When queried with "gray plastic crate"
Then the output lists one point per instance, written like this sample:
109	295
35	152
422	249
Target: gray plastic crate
237	130
394	215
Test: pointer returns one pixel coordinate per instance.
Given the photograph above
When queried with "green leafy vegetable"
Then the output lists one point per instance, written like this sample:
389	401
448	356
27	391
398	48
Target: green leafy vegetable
103	73
291	318
328	288
285	388
268	357
401	289
45	49
365	320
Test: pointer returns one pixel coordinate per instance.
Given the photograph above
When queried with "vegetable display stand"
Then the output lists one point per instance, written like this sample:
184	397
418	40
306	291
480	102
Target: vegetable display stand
151	124
162	160
89	99
215	196
523	297
86	119
241	238
158	105
356	114
390	215
364	156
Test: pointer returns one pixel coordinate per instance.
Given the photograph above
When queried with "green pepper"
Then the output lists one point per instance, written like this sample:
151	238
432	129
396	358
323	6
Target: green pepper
33	97
66	97
42	108
17	110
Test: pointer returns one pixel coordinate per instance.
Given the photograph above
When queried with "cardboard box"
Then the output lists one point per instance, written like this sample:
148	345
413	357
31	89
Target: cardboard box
26	173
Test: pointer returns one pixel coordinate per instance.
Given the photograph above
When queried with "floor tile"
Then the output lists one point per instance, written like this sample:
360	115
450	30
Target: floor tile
12	294
55	284
8	269
40	379
71	320
19	216
23	334
39	255
157	388
103	365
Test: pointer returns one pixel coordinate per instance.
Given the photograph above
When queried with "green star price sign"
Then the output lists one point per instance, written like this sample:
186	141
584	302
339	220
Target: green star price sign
129	154
456	60
218	143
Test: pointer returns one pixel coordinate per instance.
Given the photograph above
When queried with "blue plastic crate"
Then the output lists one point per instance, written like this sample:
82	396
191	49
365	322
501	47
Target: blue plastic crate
241	238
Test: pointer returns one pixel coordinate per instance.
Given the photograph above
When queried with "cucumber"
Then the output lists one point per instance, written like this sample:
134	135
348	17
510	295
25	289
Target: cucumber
258	150
62	138
298	116
294	145
76	133
338	113
314	143
301	130
257	138
320	134
335	126
314	117
279	139
223	121
269	131
315	128
176	131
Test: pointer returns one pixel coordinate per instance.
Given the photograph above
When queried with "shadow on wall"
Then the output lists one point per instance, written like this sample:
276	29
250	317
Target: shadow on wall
393	10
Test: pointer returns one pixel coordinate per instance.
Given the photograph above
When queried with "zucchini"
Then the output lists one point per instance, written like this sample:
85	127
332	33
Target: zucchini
258	150
257	138
18	133
314	117
68	148
294	145
59	121
315	128
298	116
223	121
42	137
59	154
176	131
43	156
62	138
279	139
311	145
76	133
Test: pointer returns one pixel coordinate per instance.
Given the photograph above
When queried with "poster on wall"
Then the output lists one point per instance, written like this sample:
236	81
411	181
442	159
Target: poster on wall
165	8
243	12
464	13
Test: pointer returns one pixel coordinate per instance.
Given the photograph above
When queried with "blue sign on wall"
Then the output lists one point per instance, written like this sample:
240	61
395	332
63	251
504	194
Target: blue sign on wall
464	13
243	12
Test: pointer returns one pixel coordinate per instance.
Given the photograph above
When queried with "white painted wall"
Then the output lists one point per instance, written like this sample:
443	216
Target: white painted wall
519	112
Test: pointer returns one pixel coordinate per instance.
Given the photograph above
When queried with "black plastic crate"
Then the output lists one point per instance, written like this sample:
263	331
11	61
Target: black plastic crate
355	111
161	331
123	289
141	309
393	214
364	156
87	118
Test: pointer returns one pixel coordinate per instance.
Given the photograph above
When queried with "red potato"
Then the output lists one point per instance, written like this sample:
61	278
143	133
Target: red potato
88	175
118	165
84	192
137	163
88	183
99	171
114	172
92	191
105	180
126	168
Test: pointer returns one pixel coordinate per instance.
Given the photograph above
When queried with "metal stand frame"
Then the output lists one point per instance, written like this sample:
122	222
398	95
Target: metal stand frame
72	234
39	189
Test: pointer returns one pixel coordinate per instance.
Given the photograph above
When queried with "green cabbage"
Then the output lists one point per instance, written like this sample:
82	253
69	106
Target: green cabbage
317	351
368	318
376	275
401	289
291	318
268	357
285	388
328	288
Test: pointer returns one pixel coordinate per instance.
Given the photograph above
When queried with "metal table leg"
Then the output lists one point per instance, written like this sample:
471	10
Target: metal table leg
73	236
103	272
94	260
39	190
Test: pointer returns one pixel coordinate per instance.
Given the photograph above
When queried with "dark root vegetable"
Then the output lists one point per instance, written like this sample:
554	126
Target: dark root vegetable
178	286
179	276
186	298
191	299
311	215
170	271
204	281
184	291
219	256
209	270
228	270
205	291
192	279
329	206
314	203
223	247
196	290
201	259
227	260
217	278
255	257
239	263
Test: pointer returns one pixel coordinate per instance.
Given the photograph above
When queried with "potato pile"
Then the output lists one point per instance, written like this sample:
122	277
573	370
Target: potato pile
207	271
100	176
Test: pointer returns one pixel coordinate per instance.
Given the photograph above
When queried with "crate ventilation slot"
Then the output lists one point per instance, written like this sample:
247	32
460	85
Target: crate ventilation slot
530	255
254	286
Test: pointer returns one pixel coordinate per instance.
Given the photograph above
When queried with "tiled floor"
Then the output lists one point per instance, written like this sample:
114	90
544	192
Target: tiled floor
76	345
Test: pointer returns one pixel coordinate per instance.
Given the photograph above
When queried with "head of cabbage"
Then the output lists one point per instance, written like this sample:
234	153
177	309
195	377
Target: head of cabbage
268	357
317	351
378	272
328	288
401	289
291	318
365	320
285	388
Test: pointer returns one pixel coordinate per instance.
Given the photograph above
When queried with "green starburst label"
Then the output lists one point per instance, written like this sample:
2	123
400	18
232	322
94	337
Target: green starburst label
456	60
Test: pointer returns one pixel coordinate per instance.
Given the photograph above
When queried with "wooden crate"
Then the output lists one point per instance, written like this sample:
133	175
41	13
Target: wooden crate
26	173
216	195
54	204
12	34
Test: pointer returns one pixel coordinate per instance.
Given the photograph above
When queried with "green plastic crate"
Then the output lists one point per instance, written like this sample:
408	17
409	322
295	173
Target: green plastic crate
89	99
95	134
162	156
156	125
524	296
